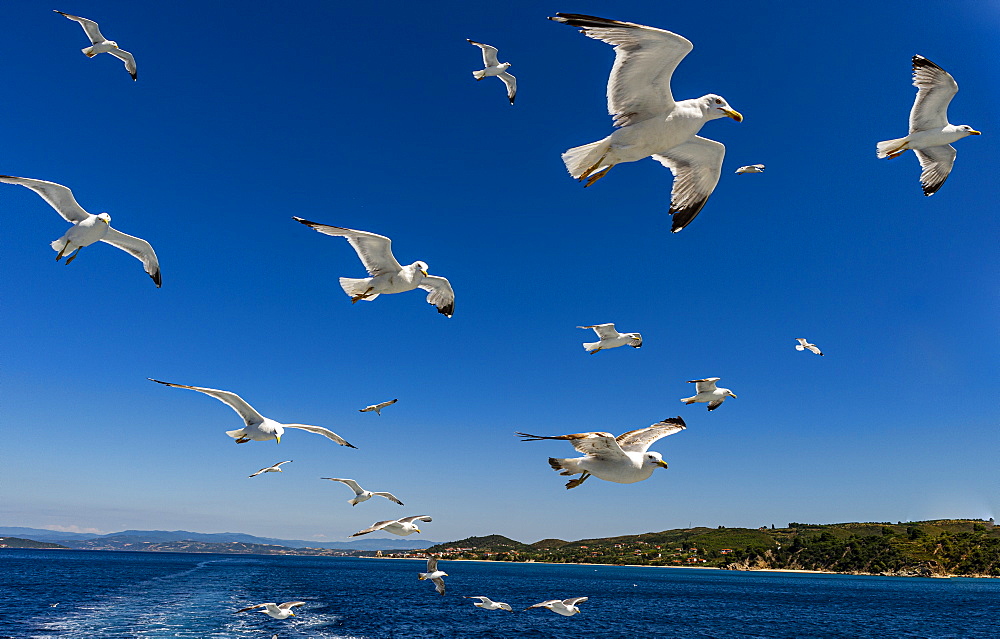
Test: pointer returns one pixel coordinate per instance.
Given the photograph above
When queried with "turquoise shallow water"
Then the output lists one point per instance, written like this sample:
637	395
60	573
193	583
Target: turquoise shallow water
146	595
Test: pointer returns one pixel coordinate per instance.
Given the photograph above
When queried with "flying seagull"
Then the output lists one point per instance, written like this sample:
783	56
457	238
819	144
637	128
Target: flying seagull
361	493
377	407
566	607
433	574
753	168
495	68
87	228
271	469
707	392
387	275
610	338
276	611
402	527
625	459
804	345
258	428
100	44
652	123
930	134
488	604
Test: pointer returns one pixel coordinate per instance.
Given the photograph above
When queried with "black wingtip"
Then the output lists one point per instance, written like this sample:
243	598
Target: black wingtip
448	310
684	216
349	445
157	279
920	61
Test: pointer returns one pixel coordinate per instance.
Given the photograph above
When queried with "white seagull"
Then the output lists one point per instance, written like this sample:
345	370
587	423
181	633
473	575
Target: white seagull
930	134
753	168
434	575
258	428
276	611
271	469
377	407
402	527
87	228
610	338
488	604
625	459
361	494
566	607
652	123
707	392
100	44
495	68
387	275
804	345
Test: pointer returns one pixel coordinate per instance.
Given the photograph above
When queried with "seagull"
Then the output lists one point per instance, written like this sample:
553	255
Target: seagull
87	228
100	44
258	428
753	168
488	604
387	276
804	345
271	469
495	68
641	103
401	527
610	338
930	133
433	574
361	493
276	611
377	407
566	607
707	392
624	459
54	605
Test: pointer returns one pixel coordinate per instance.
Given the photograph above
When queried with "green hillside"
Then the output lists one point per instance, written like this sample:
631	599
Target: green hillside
17	542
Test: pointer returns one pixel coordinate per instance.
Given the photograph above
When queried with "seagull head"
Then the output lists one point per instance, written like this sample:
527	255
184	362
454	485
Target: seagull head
655	459
729	393
968	130
104	217
505	66
719	108
422	267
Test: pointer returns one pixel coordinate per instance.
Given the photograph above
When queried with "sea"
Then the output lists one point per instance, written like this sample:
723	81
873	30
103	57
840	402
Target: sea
69	594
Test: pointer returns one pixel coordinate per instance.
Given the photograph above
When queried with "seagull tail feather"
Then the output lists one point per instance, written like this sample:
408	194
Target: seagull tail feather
479	75
59	244
580	158
354	287
591	346
882	149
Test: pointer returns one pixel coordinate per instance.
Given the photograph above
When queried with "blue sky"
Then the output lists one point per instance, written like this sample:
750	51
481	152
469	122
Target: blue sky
367	116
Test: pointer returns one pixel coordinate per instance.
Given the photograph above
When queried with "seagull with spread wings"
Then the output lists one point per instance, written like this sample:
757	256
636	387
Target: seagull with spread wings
651	122
751	168
610	338
271	469
495	68
488	604
402	527
387	275
87	229
258	428
803	345
100	44
930	134
276	611
377	408
625	459
361	494
708	392
434	575
566	607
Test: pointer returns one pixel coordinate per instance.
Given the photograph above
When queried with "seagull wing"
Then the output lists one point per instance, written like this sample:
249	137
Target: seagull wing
137	248
544	604
374	250
438	585
127	58
575	600
802	341
936	162
379	525
697	166
511	83
440	294
936	88
389	496
384	404
639	441
262	470
596	444
319	430
263	605
89	26
234	401
815	349
706	385
489	53
715	404
432	564
645	59
291	604
410	520
58	196
604	331
353	485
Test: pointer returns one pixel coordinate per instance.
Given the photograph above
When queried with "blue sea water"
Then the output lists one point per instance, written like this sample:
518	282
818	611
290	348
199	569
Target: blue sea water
145	595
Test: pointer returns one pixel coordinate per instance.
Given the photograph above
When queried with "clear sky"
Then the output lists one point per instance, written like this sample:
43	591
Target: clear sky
366	115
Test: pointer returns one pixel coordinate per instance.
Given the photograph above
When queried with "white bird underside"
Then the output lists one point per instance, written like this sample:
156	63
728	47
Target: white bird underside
610	338
804	345
100	44
402	527
276	468
707	392
361	494
565	607
495	69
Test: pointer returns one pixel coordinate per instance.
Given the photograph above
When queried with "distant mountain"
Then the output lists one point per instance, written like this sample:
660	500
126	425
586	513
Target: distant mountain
491	543
38	534
15	542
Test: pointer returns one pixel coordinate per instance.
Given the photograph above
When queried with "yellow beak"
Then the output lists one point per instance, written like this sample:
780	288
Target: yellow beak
426	274
277	438
662	463
975	133
736	115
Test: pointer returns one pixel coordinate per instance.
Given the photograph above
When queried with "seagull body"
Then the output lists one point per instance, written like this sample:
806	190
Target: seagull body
258	428
377	407
804	345
387	275
652	123
625	459
495	68
100	44
434	575
87	229
276	611
707	392
610	338
488	604
402	527
271	469
361	494
753	168
930	134
566	607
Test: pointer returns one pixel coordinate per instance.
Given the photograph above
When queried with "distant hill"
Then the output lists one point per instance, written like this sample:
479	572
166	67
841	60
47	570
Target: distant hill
493	543
15	542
